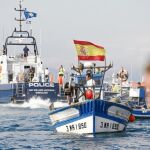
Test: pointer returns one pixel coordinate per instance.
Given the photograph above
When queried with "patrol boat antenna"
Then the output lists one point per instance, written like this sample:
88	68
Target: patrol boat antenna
20	10
20	37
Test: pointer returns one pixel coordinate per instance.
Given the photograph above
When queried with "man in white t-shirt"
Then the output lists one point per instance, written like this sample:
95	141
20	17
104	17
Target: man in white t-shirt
90	83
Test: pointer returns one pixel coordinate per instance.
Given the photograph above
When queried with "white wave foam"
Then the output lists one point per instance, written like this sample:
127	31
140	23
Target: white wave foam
35	103
60	104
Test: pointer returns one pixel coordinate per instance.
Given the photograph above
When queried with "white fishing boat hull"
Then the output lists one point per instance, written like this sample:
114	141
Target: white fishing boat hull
90	117
86	126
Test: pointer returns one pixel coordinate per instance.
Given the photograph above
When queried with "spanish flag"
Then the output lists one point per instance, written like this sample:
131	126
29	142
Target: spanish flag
89	51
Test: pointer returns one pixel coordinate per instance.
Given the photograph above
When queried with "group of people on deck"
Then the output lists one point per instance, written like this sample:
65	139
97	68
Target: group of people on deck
86	93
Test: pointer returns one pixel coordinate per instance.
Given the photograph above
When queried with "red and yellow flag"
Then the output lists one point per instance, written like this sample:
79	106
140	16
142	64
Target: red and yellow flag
89	51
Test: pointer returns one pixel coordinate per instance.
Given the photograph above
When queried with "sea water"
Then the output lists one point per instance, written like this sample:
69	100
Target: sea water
27	126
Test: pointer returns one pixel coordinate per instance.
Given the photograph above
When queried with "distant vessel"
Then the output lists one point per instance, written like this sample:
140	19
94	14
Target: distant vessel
138	103
22	75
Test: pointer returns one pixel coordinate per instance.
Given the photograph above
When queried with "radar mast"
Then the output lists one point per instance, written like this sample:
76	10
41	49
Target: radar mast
20	19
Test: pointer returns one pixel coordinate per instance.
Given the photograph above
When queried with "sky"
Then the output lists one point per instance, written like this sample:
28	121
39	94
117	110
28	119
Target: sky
121	26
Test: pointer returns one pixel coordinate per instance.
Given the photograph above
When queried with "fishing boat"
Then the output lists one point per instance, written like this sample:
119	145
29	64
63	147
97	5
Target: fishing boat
89	112
22	75
138	103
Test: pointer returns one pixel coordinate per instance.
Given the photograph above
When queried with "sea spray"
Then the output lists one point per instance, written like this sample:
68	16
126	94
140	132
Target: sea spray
35	103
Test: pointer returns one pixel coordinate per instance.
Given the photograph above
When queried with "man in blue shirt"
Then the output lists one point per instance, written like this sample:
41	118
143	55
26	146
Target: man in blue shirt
26	50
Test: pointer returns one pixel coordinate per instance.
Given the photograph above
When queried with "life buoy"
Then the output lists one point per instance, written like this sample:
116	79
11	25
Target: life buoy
123	75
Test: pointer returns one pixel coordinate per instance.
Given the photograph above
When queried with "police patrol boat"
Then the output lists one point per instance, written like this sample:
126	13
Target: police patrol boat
89	112
22	75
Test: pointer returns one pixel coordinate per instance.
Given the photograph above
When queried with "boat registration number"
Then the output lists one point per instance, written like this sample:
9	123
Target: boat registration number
77	126
108	125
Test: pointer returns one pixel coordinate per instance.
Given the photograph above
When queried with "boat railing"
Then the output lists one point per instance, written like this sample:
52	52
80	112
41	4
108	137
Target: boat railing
72	111
19	57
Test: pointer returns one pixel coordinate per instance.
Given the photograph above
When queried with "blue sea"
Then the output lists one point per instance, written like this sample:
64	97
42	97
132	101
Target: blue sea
27	126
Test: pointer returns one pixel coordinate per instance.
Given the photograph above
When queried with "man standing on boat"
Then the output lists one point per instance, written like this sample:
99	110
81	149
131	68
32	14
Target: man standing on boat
26	50
46	75
141	93
61	73
90	84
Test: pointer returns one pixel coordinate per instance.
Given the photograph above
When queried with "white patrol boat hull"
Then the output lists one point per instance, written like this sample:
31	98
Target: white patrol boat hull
90	117
22	92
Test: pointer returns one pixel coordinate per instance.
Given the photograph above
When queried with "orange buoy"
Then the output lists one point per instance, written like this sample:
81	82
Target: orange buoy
132	118
89	94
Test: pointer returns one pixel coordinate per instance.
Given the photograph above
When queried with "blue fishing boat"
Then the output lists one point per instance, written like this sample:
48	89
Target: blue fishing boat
89	111
22	75
138	103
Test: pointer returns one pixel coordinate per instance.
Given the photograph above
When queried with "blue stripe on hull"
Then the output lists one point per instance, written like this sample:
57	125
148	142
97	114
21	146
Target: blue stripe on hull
139	113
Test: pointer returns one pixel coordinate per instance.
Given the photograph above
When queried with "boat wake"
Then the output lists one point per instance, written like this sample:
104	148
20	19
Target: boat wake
36	103
60	104
32	104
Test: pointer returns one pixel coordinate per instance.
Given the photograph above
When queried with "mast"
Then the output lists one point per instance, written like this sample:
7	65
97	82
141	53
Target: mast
20	20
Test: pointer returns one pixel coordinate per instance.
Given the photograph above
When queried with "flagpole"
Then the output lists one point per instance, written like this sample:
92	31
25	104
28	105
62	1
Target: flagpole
102	81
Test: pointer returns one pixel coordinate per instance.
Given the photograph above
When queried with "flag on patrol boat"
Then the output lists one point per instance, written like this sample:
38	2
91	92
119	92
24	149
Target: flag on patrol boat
28	14
89	51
